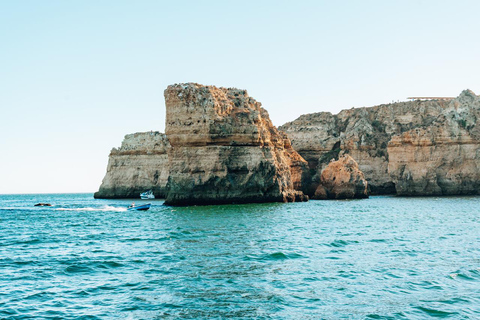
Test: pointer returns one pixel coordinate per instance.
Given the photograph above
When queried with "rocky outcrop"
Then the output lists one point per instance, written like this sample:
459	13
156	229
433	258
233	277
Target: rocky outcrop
442	158
299	171
342	179
225	149
140	164
410	148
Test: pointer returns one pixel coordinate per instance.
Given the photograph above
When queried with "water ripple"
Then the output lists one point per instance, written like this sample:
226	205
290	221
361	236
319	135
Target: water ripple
382	258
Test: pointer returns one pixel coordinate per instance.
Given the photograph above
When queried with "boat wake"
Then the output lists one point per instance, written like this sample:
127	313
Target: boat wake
104	208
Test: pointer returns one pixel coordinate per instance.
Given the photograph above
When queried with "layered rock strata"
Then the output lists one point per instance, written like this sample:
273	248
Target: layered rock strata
442	158
342	179
225	149
410	148
140	164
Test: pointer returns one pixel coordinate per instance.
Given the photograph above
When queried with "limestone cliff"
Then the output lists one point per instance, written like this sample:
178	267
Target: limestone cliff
225	149
342	179
442	158
409	148
140	164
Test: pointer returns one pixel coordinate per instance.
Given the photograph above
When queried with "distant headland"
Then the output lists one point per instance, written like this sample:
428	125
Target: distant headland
220	146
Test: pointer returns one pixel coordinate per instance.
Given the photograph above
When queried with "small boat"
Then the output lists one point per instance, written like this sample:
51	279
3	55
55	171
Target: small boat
142	207
147	195
41	204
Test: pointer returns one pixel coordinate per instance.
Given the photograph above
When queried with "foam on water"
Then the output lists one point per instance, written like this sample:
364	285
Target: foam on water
104	208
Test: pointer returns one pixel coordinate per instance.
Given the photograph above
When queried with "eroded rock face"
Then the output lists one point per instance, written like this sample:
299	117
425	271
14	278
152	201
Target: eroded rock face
409	148
342	179
299	171
442	158
140	164
225	149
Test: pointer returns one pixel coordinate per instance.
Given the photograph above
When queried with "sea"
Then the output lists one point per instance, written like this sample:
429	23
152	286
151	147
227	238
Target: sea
379	258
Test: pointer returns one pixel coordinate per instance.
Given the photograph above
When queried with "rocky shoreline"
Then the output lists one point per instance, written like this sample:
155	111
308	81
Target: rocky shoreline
415	148
220	146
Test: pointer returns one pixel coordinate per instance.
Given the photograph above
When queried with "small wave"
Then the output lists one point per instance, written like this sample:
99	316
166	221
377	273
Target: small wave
378	240
275	256
8	312
464	276
104	208
436	313
82	293
342	243
29	241
25	263
39	296
110	264
77	269
468	275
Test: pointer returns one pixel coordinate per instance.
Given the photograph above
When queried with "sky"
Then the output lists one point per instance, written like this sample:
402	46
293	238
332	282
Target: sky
77	76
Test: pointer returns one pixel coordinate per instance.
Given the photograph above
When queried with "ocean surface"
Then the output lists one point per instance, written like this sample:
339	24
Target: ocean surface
379	258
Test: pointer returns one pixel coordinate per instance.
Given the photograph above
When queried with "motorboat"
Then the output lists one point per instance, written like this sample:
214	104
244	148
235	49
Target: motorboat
147	195
143	207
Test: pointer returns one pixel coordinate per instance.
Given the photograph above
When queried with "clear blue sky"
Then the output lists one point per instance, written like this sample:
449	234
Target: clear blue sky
76	76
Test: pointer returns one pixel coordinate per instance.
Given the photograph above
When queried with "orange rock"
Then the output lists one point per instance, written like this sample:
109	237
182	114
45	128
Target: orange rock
342	179
225	149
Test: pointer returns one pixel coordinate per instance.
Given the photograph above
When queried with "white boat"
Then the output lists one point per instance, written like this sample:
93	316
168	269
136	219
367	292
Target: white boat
147	195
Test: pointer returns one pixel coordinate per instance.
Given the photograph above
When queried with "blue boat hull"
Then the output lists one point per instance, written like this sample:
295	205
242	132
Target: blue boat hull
143	207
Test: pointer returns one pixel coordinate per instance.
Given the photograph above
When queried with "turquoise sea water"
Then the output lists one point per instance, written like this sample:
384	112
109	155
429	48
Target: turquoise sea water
380	258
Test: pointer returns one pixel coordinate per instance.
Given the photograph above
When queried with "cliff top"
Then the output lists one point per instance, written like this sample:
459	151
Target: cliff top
397	108
197	86
200	115
143	141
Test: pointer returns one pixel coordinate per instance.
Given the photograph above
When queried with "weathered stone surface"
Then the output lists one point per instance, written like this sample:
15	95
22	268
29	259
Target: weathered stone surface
342	179
442	158
393	142
140	164
299	171
225	149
